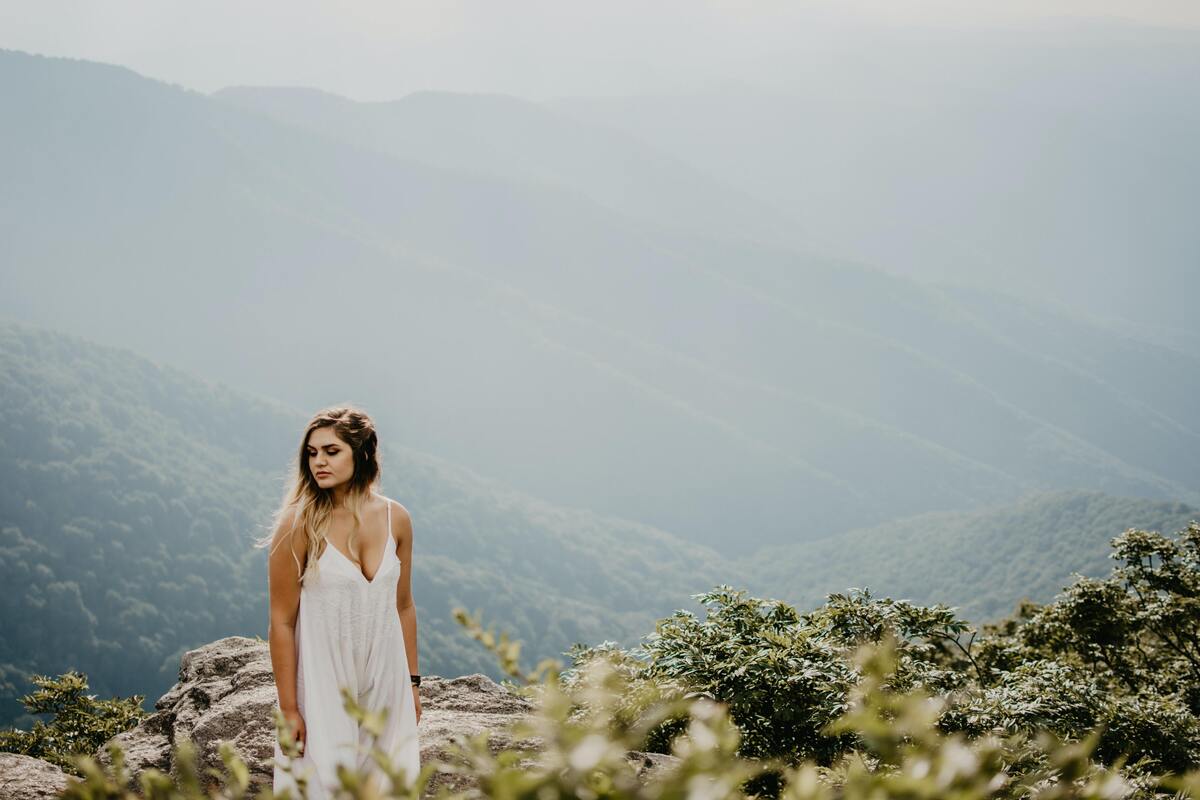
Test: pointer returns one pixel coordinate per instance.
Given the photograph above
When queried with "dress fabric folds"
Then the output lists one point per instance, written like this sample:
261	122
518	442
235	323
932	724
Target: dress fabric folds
348	634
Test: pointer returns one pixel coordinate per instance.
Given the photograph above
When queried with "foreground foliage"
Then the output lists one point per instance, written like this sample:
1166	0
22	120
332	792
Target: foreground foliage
1092	696
584	750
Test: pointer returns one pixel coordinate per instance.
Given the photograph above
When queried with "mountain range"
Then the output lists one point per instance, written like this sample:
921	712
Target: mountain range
137	489
1055	161
736	392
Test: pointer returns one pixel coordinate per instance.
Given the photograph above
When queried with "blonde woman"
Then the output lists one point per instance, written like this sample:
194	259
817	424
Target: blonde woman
342	611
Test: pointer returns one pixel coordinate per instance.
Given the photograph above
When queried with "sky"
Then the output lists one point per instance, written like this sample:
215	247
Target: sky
537	49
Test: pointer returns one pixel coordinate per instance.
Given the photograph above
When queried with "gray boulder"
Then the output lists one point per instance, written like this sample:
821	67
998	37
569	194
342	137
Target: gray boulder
29	778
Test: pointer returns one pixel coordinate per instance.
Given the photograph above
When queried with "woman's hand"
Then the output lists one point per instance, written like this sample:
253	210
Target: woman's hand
296	723
417	700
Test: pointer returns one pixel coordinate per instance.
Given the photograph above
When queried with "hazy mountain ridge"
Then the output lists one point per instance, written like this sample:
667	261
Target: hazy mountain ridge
587	331
1007	158
524	142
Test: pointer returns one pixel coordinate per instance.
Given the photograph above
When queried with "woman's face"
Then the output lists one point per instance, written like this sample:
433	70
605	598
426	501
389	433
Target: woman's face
330	460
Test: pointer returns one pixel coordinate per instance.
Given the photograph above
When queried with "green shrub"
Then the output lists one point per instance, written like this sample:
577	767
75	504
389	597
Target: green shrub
80	725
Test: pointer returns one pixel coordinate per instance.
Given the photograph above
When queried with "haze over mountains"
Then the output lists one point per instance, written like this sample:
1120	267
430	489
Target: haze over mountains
135	491
735	393
527	143
1056	161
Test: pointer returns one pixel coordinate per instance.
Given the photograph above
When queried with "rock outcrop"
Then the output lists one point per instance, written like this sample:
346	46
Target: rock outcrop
28	778
226	692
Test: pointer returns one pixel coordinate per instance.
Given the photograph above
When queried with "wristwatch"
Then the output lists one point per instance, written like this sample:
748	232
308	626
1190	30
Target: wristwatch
416	679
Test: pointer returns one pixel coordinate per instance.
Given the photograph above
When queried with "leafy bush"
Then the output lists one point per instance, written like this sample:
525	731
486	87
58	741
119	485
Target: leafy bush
785	675
80	725
1114	658
1123	652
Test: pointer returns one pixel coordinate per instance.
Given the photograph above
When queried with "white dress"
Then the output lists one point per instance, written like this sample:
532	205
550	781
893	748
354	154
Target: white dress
348	633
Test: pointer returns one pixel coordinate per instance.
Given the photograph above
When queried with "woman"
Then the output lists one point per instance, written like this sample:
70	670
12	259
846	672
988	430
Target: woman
342	612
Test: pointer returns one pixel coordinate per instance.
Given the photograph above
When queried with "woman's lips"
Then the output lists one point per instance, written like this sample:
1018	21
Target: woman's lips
319	474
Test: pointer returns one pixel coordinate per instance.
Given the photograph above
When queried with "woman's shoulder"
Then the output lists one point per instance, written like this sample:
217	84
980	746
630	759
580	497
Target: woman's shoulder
286	520
395	505
400	517
287	529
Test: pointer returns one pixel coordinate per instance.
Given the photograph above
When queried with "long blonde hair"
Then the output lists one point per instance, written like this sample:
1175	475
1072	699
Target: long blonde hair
314	505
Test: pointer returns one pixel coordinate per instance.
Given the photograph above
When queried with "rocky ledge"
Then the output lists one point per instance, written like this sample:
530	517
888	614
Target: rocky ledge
226	692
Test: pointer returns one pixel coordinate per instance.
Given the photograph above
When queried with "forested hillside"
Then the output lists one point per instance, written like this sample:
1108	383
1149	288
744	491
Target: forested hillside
982	562
135	490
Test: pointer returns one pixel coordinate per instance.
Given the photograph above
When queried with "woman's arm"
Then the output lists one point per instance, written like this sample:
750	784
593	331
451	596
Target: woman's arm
284	591
405	607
